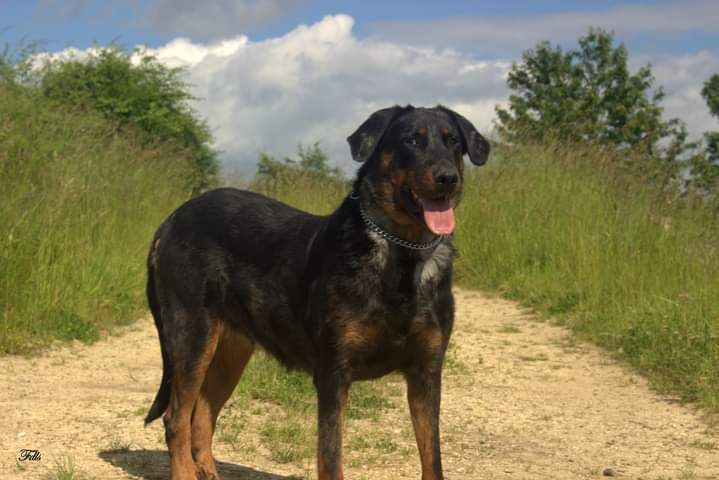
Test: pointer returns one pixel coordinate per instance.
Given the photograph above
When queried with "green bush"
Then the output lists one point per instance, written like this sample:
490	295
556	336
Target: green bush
308	182
143	93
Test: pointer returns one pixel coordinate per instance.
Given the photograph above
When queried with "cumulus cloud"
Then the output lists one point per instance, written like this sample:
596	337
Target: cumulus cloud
509	35
319	82
216	19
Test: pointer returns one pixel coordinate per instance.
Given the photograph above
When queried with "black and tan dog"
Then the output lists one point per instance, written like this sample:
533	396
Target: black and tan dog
350	296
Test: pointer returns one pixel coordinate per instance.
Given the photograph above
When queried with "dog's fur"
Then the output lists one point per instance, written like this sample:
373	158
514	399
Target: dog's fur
231	269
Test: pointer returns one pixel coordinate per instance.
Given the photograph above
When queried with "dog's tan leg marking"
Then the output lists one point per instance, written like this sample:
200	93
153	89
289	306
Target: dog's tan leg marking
233	352
186	385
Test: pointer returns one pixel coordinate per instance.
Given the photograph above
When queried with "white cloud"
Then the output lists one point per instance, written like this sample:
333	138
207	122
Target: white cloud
181	52
682	78
319	82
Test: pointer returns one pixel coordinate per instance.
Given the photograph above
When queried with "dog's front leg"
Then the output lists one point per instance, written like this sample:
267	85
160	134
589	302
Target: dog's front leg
423	394
332	391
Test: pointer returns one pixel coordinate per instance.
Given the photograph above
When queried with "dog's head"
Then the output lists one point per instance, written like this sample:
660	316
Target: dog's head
414	158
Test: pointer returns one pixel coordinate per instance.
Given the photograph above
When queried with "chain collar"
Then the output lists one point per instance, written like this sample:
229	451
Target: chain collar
388	236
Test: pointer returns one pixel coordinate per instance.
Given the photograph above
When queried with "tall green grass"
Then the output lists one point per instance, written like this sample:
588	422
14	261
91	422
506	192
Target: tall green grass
79	201
313	192
573	234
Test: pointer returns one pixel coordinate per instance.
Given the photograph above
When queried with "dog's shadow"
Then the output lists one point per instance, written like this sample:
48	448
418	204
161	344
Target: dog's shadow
155	465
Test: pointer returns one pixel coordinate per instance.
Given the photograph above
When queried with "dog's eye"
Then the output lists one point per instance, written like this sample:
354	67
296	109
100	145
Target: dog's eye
451	139
413	140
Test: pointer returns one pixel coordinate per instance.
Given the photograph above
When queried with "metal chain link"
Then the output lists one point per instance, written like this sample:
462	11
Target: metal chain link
388	236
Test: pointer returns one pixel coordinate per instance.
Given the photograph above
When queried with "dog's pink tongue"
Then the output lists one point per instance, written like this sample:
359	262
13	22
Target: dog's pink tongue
439	216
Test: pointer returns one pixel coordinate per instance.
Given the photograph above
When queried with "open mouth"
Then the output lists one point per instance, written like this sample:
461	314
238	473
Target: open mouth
437	212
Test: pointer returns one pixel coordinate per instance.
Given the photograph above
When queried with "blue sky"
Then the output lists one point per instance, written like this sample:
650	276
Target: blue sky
285	72
80	23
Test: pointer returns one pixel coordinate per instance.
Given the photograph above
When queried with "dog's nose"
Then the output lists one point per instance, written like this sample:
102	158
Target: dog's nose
446	178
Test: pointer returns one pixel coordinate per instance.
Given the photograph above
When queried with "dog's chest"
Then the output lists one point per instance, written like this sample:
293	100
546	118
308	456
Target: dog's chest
407	269
406	282
398	306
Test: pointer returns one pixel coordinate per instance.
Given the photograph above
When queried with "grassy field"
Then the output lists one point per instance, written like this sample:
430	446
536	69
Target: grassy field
79	204
570	233
563	230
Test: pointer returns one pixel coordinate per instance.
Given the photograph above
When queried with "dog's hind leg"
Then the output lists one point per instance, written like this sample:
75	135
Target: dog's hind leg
192	348
233	352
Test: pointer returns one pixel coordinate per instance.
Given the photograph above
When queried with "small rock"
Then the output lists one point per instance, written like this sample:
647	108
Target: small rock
609	472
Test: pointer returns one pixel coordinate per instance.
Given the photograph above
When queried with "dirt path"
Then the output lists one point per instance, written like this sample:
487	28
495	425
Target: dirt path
521	400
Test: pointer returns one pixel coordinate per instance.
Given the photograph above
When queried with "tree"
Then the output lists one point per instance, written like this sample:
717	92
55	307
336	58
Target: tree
710	92
705	165
312	160
588	94
278	177
136	90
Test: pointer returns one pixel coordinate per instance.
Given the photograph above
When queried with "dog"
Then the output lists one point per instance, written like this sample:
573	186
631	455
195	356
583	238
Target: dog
351	296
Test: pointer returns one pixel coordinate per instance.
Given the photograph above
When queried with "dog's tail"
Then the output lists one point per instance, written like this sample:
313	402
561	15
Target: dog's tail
162	399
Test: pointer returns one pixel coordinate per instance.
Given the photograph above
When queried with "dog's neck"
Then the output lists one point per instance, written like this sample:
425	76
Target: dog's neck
375	205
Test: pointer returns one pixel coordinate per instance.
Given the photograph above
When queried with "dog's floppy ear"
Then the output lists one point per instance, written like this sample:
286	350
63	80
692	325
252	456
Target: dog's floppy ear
365	139
473	144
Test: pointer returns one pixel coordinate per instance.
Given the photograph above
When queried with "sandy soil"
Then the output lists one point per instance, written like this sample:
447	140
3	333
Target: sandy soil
522	400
